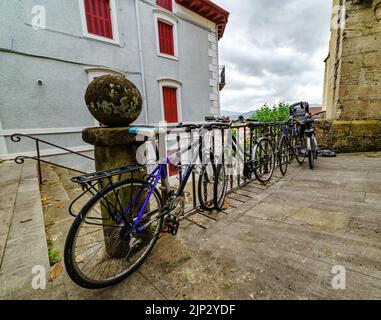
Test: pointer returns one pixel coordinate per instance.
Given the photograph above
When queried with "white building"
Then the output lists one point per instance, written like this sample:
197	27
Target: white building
50	50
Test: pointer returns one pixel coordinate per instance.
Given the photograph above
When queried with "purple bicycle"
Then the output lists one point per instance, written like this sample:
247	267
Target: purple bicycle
117	228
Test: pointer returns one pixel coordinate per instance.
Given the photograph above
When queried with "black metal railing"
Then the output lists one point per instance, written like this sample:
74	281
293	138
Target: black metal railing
242	133
20	159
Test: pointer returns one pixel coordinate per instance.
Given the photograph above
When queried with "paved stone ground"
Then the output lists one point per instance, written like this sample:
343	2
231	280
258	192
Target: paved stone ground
22	233
279	242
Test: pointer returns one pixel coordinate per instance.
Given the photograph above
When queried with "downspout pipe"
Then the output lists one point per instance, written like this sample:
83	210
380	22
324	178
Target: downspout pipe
218	72
145	104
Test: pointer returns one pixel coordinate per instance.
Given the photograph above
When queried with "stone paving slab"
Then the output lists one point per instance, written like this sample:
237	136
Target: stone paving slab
272	242
26	243
10	175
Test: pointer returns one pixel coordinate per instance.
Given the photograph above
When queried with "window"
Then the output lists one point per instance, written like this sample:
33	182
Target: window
99	20
170	105
166	38
98	17
166	34
166	4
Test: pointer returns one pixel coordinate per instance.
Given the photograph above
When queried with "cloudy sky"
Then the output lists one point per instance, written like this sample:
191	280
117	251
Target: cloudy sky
274	51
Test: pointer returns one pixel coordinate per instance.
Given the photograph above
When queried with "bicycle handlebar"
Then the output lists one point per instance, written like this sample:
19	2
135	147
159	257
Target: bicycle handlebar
209	126
318	114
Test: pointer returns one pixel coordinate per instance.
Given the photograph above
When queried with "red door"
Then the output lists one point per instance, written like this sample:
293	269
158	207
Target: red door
170	105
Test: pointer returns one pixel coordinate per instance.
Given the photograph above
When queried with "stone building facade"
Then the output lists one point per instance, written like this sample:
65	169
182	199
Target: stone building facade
353	67
352	88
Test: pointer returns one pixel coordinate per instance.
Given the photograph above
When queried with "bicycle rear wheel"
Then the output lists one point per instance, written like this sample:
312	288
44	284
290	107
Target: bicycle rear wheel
100	250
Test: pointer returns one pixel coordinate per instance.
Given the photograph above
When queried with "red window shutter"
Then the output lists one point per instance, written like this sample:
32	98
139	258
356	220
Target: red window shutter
170	105
166	4
172	170
98	18
166	38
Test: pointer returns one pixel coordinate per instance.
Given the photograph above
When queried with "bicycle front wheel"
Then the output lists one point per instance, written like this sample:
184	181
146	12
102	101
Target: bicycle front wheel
300	150
284	155
311	152
206	187
103	245
220	187
264	160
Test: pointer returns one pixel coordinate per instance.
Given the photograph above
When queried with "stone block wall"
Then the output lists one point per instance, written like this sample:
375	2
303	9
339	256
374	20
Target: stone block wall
349	136
353	69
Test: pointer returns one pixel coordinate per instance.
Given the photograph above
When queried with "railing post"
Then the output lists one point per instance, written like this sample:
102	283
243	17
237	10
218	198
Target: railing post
193	175
39	161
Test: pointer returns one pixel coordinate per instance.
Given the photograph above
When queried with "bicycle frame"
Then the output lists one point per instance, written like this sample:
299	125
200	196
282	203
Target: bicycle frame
160	174
247	157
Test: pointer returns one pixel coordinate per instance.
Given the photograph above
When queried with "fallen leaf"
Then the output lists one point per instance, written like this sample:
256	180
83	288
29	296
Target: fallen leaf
56	271
25	221
226	204
46	198
61	206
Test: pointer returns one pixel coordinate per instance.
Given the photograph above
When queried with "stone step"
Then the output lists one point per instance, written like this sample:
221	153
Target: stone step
26	245
10	173
59	192
55	208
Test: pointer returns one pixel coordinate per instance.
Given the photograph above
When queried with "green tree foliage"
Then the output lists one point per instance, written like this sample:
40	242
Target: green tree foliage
277	113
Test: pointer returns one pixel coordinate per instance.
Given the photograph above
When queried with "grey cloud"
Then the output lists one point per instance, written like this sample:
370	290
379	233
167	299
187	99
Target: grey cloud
280	43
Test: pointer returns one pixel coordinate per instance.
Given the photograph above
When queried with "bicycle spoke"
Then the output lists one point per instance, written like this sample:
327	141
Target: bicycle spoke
105	251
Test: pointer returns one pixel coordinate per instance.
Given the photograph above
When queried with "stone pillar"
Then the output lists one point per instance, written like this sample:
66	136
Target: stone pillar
114	148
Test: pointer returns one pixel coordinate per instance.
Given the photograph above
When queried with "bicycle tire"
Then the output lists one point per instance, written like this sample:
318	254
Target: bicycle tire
69	252
311	159
264	144
283	158
312	153
220	193
202	181
300	145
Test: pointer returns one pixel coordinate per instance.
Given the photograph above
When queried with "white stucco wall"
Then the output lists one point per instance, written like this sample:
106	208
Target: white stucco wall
61	54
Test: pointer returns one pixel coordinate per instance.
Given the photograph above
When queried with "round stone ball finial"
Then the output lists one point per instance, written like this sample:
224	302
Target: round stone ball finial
113	100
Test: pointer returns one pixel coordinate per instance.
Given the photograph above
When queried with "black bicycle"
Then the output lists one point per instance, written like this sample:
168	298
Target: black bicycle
258	153
310	137
213	181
